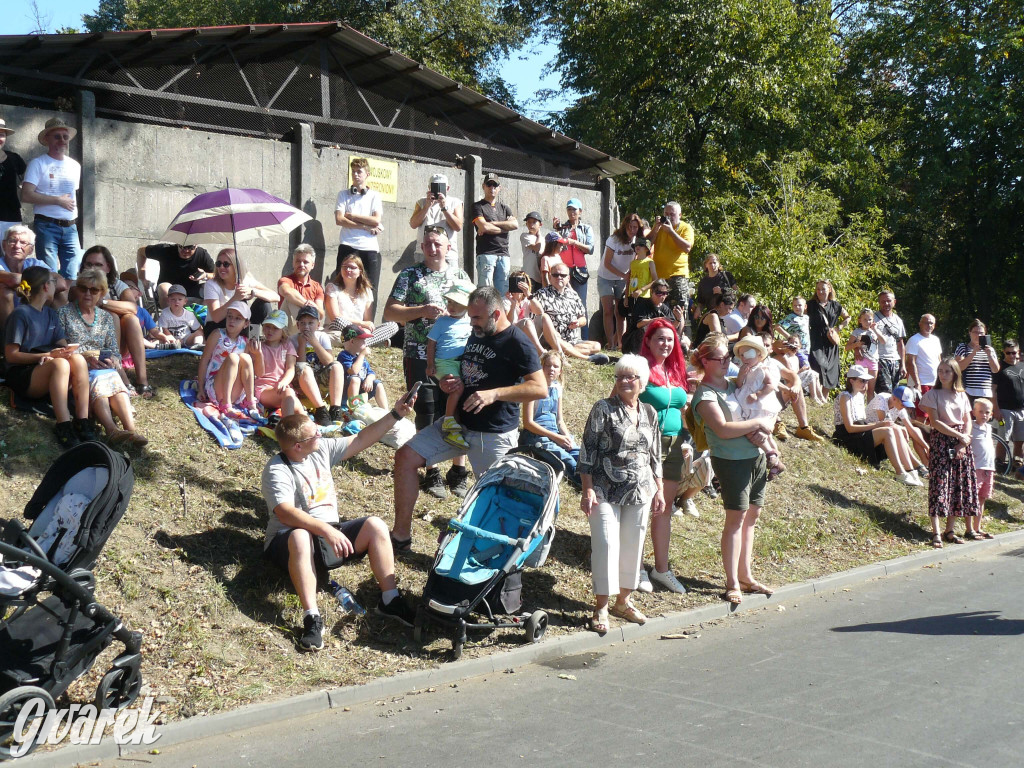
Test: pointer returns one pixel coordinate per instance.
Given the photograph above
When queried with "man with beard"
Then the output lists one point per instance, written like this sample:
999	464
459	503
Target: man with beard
500	370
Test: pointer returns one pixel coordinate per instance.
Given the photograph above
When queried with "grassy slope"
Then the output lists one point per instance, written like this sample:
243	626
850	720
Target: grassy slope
184	565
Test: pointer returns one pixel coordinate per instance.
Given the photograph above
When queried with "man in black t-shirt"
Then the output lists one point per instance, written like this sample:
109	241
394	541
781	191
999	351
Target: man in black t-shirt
500	370
1009	386
493	221
186	265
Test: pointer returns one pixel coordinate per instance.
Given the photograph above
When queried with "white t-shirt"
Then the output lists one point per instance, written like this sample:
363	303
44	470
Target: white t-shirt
928	351
531	259
434	217
362	205
350	310
622	254
179	326
982	447
733	322
213	290
55	177
881	403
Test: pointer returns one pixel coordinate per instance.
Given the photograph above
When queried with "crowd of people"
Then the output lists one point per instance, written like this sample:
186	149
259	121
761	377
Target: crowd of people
704	374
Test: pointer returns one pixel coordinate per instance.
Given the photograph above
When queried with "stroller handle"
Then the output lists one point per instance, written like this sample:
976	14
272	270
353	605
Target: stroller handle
480	533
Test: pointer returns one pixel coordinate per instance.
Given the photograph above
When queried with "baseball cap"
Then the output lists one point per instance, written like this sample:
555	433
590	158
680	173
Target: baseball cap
355	332
307	311
535	216
439	178
553	237
459	292
905	395
642	242
574	202
177	289
276	318
241	308
491	177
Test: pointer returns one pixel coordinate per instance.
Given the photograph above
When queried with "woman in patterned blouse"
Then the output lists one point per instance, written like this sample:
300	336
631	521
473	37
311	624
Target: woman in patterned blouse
620	468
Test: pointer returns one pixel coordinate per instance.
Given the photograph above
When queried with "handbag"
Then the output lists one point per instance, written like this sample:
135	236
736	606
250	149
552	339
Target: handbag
322	549
578	275
833	336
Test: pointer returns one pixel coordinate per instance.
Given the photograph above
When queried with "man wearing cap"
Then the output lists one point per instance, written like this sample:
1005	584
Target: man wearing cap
532	244
51	183
439	208
493	221
12	169
673	239
891	350
358	213
579	244
416	301
186	265
562	315
299	289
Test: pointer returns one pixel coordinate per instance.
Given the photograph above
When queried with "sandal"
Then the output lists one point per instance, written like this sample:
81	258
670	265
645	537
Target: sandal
733	595
401	546
599	622
950	537
147	391
984	535
937	541
756	588
628	612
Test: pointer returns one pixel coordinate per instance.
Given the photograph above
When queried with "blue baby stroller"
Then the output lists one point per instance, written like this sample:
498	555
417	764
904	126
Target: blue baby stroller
506	524
51	627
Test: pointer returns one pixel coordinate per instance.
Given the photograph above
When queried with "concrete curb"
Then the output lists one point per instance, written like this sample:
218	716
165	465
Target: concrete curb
550	648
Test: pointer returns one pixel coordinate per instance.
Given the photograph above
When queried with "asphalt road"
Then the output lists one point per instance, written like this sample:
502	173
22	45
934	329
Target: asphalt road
922	669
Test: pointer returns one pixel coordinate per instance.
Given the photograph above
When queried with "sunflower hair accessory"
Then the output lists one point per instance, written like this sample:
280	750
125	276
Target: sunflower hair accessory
24	286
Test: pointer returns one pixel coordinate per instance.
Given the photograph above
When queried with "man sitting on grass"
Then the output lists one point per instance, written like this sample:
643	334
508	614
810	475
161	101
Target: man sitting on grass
299	491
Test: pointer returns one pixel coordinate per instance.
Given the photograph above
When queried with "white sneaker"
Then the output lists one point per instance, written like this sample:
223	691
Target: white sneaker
908	478
677	512
916	478
668	580
644	585
690	508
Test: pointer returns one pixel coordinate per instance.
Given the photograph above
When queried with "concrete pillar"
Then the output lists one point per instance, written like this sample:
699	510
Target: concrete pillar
609	208
472	166
302	182
86	156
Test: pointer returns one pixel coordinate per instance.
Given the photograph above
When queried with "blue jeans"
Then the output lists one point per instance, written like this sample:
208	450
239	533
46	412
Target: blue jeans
59	247
493	269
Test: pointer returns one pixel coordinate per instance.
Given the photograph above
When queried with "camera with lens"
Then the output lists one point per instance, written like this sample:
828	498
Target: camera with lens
663	219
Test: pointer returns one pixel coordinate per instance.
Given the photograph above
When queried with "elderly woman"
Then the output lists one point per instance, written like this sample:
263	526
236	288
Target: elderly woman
232	282
738	463
666	393
620	468
119	300
645	311
826	314
978	362
95	331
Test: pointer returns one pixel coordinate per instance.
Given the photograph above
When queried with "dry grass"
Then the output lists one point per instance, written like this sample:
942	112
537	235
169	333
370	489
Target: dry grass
185	564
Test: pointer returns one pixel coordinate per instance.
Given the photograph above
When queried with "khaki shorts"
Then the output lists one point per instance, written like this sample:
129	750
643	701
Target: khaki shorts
485	448
743	481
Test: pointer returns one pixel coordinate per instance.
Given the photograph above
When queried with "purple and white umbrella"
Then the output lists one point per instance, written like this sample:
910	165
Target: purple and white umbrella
231	215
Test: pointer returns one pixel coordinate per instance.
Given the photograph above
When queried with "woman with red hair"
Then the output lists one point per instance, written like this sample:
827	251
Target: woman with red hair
666	393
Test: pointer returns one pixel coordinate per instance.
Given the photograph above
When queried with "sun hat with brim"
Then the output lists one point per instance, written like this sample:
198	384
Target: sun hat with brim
241	308
858	372
905	395
459	292
4	128
54	124
277	318
750	342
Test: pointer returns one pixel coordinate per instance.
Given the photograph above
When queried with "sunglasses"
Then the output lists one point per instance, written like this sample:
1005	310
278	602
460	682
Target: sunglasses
95	291
626	378
560	275
661	293
186	247
492	184
223	263
434	230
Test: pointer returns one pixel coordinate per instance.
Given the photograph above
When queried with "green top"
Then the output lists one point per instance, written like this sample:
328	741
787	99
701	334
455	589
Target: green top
667	401
733	448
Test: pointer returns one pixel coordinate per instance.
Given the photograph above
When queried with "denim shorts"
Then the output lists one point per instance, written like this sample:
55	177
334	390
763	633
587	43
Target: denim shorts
606	287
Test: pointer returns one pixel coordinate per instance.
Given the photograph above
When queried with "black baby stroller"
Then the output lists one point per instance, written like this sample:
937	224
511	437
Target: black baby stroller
51	628
506	524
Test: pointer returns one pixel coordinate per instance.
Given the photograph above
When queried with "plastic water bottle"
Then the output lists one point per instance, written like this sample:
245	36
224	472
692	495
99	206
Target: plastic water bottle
346	599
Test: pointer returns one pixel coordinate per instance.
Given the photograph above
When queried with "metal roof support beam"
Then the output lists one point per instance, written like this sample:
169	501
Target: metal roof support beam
295	71
393	76
434	94
241	72
366	59
359	91
186	36
209	52
120	67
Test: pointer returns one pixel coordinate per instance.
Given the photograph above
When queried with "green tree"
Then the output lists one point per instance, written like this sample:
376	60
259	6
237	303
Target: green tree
782	238
463	40
943	83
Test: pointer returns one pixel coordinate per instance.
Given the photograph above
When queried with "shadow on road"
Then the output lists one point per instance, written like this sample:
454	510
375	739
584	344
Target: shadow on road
973	623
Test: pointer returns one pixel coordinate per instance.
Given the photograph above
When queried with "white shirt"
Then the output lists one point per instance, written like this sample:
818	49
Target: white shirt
927	351
733	322
434	216
982	447
55	177
622	254
361	205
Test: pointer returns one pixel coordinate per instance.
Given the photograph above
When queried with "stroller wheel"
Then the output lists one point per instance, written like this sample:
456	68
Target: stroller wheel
536	626
11	705
419	627
119	688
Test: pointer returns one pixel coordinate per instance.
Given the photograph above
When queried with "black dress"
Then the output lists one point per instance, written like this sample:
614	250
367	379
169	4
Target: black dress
824	354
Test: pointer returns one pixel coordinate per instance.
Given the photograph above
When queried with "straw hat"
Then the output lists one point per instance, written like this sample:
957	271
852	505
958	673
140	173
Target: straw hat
4	128
750	342
53	124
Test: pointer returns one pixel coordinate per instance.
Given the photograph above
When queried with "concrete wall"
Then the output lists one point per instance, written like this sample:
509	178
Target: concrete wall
136	177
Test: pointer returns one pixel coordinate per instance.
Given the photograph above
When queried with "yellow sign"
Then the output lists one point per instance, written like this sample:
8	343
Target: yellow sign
383	179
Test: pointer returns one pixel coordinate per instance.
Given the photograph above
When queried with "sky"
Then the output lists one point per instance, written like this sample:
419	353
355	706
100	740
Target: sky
523	70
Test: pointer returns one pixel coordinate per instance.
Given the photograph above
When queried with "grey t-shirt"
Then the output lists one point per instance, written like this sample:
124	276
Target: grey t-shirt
307	484
892	330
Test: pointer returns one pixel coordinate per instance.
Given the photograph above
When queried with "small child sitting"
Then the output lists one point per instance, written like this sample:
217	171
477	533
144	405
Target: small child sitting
225	369
755	397
897	407
543	422
273	363
177	324
445	344
984	463
359	376
317	367
795	359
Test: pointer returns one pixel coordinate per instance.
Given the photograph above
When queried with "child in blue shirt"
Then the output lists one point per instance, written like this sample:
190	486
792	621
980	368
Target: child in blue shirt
445	344
359	376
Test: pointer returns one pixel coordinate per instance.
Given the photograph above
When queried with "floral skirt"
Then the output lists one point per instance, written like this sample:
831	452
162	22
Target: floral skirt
952	482
105	383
